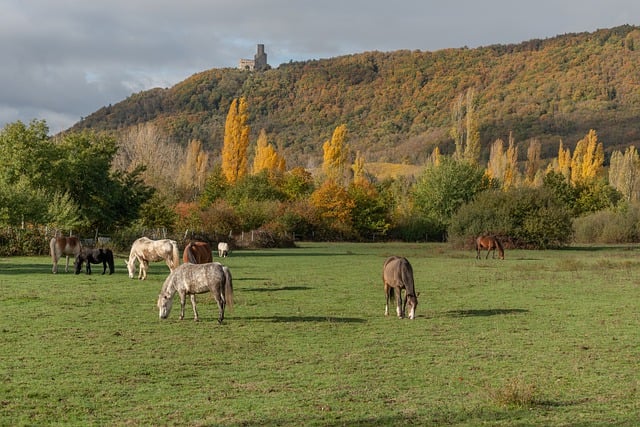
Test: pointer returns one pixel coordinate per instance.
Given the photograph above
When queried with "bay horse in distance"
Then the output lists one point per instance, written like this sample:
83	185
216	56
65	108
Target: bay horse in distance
197	253
191	279
95	256
145	250
397	274
63	246
490	243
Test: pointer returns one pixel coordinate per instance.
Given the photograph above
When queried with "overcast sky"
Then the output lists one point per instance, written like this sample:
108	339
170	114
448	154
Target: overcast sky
61	60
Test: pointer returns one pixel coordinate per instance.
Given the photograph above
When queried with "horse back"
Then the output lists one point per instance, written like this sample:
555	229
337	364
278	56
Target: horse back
65	245
198	278
398	273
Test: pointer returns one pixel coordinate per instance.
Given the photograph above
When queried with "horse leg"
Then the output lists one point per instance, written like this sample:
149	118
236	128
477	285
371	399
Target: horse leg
220	301
183	300
66	268
488	250
144	265
193	305
88	266
386	293
399	309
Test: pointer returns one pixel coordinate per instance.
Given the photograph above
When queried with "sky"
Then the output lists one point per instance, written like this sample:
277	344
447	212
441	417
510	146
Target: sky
61	60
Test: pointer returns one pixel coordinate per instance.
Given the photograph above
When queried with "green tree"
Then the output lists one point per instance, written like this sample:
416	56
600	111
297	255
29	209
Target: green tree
442	189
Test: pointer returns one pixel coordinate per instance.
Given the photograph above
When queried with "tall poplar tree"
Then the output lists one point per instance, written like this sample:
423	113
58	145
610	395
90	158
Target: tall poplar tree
335	156
236	142
267	158
588	159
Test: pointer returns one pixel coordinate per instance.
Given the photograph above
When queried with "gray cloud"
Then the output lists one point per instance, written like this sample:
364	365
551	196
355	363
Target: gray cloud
64	59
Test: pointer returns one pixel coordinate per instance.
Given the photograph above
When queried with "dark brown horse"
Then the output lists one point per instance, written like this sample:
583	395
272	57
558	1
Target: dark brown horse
490	243
397	274
63	246
197	253
95	256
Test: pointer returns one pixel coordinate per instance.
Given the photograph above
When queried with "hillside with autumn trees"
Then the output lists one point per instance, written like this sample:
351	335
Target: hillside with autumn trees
398	105
533	142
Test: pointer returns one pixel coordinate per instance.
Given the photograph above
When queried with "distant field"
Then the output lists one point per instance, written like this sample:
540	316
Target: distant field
541	338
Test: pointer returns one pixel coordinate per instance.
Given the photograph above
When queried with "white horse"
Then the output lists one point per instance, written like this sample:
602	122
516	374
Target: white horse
223	249
191	279
145	250
63	246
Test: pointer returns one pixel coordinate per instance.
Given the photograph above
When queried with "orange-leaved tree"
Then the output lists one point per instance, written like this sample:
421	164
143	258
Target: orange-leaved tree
236	142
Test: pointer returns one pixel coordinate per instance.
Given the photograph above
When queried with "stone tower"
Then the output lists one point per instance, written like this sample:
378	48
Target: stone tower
258	63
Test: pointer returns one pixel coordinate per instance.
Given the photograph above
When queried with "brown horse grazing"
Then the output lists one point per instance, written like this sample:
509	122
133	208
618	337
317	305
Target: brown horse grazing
145	250
490	243
192	279
197	253
63	246
397	274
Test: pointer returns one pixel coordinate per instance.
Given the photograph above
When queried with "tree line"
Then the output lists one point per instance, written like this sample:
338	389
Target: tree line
87	181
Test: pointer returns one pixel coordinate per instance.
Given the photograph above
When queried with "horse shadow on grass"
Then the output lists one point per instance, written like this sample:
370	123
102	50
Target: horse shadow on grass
304	319
277	288
485	312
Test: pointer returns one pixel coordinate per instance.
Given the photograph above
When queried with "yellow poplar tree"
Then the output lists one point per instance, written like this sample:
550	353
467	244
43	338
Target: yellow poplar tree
267	158
335	155
511	174
624	173
533	162
236	142
193	171
497	161
359	172
588	159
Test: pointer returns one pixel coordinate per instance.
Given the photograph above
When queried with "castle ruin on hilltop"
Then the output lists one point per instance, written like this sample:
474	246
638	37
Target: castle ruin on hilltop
258	63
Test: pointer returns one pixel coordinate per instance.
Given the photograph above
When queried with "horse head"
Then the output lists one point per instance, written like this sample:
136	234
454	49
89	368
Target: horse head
412	302
131	267
164	305
77	264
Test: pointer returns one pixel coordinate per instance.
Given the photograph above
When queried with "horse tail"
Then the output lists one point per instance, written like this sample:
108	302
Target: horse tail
187	254
228	286
499	245
175	259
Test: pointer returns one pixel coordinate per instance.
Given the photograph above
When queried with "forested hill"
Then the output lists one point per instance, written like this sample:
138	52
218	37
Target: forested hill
398	105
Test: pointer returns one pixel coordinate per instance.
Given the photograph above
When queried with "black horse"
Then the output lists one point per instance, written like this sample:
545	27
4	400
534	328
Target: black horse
95	256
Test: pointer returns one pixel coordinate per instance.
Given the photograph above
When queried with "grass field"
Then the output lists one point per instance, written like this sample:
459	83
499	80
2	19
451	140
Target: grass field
541	338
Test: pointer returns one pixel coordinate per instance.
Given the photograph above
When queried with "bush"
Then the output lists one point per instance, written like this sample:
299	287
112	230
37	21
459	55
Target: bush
528	217
609	226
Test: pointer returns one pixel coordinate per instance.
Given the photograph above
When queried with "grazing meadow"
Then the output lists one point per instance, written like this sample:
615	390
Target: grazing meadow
539	338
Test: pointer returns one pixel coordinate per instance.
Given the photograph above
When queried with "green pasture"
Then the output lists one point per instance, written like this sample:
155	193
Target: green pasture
541	338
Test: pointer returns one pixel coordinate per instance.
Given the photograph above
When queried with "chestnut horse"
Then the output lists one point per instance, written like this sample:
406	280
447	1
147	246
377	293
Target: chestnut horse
191	279
397	274
197	253
145	250
490	243
63	246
